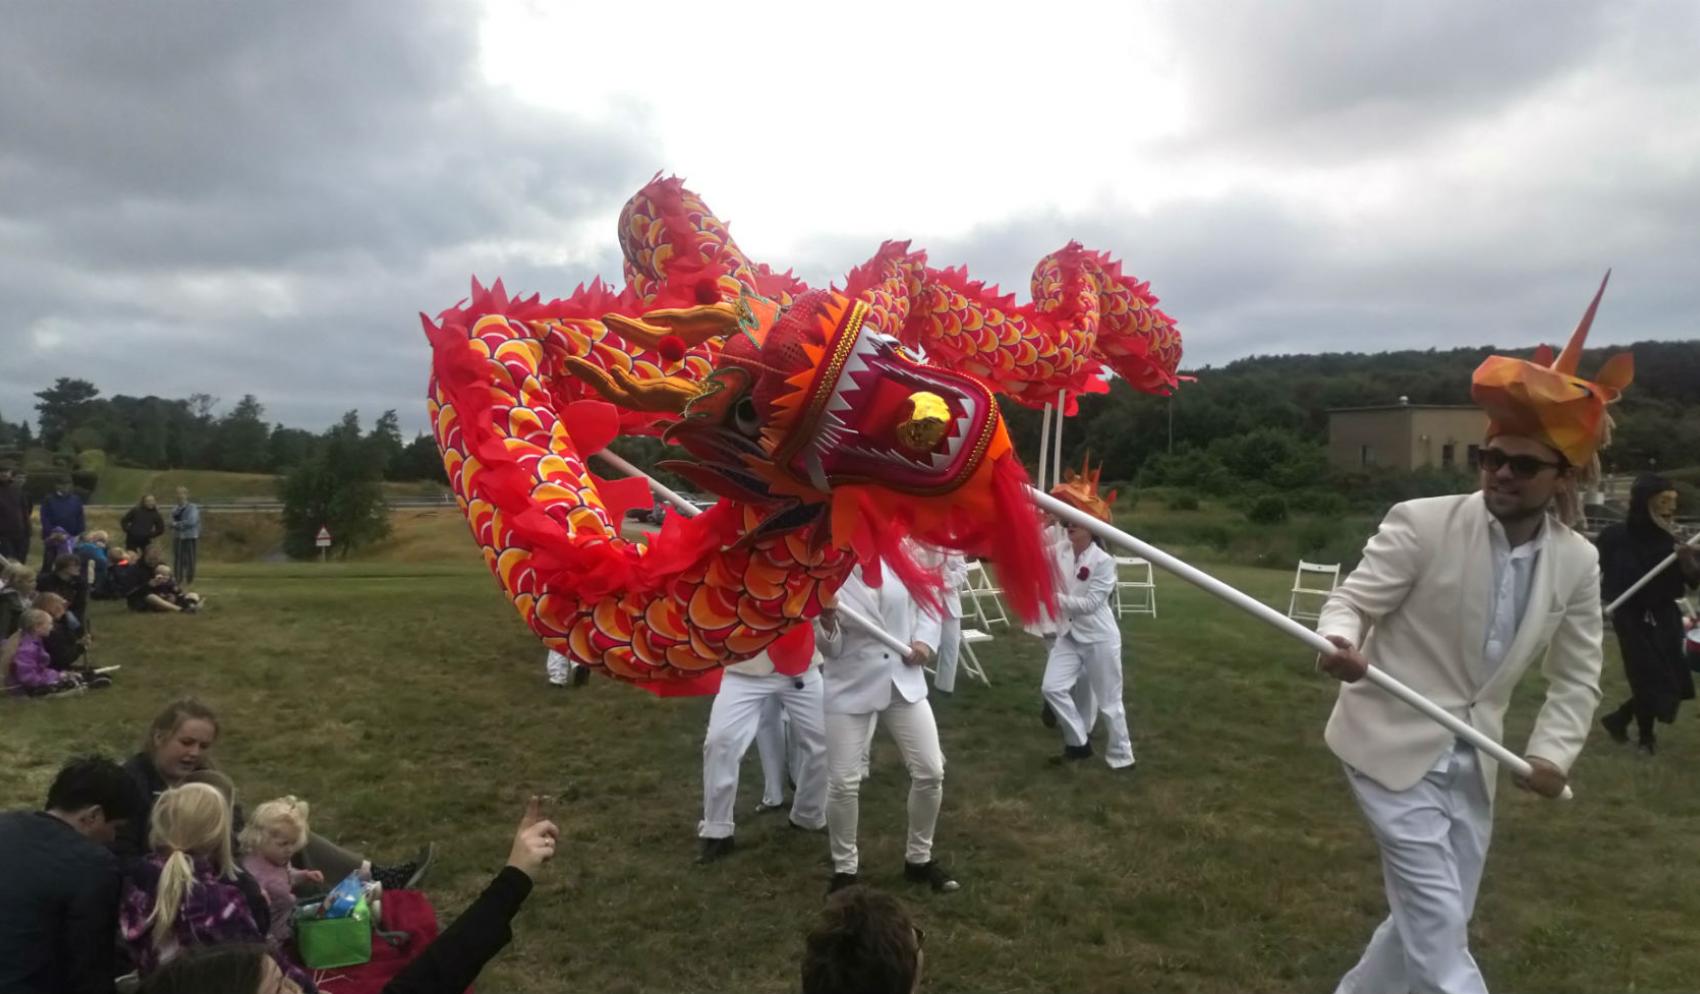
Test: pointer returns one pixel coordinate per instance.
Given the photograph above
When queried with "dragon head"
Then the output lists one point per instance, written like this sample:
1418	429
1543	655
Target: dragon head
824	423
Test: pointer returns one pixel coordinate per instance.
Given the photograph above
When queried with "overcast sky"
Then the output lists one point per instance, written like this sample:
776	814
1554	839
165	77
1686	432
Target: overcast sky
260	197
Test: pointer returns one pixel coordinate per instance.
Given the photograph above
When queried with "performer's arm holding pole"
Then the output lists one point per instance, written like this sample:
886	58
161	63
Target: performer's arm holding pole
1635	588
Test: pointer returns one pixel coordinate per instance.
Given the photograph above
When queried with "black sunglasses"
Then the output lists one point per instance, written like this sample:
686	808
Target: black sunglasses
1522	467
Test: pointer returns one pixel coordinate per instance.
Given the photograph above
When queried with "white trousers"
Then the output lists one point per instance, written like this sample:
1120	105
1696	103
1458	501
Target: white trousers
559	668
1101	665
950	647
779	758
917	737
1434	840
732	725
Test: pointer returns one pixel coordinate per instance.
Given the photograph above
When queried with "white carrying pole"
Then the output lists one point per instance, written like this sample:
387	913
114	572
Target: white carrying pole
1056	453
1655	571
1284	624
690	510
1044	445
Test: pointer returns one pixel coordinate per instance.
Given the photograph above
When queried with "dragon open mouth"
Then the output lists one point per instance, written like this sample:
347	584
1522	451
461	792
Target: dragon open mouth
878	416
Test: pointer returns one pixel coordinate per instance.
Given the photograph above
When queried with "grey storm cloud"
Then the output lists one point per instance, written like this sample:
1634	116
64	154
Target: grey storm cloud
259	198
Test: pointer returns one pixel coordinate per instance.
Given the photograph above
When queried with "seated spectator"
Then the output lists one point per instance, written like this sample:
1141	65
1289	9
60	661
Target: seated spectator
29	669
56	543
17	588
162	594
68	642
125	573
258	904
92	549
864	942
271	839
65	578
59	904
183	894
447	966
179	743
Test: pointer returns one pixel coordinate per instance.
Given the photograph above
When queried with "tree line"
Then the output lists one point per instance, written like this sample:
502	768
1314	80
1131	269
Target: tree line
1264	419
189	433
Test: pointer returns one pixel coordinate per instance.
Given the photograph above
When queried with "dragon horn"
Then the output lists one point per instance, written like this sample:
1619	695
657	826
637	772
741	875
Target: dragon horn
1571	357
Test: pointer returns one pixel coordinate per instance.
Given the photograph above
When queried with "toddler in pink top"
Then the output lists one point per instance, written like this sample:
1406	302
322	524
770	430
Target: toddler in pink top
276	832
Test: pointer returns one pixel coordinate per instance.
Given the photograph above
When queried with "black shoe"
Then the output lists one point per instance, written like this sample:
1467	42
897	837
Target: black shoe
713	849
1646	747
931	874
1077	752
841	881
1617	726
581	675
804	828
406	876
1047	717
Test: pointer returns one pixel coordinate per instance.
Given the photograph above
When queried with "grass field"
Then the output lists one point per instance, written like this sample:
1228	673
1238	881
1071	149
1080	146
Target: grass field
407	703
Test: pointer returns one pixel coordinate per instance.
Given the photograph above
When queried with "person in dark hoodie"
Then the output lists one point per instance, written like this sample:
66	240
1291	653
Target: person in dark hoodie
1649	624
63	509
142	524
14	517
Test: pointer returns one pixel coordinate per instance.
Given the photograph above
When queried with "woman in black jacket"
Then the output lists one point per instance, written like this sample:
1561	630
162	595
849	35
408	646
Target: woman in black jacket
1648	625
447	966
142	524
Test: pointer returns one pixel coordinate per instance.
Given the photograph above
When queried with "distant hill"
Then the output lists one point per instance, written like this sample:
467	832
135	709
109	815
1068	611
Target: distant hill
127	485
1658	420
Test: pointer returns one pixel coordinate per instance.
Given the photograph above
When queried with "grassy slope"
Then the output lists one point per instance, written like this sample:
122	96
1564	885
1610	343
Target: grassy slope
406	703
127	485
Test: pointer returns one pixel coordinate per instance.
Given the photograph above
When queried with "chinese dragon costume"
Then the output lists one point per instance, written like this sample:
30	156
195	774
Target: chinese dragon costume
810	413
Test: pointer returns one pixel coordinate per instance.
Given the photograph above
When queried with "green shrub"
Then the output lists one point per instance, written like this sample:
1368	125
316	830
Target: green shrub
1269	510
1183	502
1321	502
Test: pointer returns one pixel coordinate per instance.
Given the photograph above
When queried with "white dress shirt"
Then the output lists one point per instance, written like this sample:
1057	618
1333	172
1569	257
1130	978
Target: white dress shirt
1085	603
1513	575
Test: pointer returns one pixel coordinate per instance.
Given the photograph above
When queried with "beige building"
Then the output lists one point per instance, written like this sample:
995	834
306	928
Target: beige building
1406	436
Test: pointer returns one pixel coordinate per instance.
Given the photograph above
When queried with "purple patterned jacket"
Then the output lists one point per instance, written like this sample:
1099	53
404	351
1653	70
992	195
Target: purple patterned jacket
214	912
31	666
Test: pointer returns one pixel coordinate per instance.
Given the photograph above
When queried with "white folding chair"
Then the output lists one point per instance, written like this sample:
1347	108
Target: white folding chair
978	588
1136	587
968	662
1298	605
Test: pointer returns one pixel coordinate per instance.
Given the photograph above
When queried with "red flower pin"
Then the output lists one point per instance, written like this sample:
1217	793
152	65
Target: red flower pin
1083	574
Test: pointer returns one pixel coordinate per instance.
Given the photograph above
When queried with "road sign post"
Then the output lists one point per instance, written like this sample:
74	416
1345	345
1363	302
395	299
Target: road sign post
323	541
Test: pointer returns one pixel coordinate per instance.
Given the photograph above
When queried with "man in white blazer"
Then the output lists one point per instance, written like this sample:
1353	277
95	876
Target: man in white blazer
1457	597
866	680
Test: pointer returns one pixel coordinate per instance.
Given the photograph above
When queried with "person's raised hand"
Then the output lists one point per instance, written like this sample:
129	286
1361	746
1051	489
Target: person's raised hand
1544	778
534	843
1345	663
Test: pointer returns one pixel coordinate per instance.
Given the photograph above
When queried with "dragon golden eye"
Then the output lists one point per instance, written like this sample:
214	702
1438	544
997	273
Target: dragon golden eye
927	420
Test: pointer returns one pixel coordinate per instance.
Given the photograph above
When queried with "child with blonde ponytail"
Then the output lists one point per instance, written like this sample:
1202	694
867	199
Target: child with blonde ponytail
184	894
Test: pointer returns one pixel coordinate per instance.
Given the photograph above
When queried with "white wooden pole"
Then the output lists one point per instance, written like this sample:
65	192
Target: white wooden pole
1056	457
1284	624
1655	571
690	510
1044	446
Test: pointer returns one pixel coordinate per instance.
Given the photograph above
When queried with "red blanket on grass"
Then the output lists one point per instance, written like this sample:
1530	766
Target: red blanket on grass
407	911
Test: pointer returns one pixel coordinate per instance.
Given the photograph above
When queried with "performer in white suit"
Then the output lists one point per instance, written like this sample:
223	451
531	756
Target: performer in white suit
955	570
748	691
1088	646
865	679
1457	597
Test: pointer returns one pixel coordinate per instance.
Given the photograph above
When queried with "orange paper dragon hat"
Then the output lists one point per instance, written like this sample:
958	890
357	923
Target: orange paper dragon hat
1543	398
1079	490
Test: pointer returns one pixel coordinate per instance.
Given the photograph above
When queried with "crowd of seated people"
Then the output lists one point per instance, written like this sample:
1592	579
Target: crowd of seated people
145	873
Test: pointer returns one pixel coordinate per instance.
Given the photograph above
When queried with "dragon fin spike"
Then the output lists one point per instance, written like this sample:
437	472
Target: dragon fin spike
1571	358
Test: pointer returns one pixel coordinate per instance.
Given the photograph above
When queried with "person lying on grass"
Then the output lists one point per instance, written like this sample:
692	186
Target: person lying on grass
161	593
447	966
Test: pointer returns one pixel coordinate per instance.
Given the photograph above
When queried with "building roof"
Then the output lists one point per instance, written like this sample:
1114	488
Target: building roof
1404	407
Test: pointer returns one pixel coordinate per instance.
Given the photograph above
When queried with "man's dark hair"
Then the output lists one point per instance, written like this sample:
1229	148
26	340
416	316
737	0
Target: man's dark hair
229	969
864	942
90	780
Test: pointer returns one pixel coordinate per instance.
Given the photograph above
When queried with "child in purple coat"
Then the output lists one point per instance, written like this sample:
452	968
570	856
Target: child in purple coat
30	671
